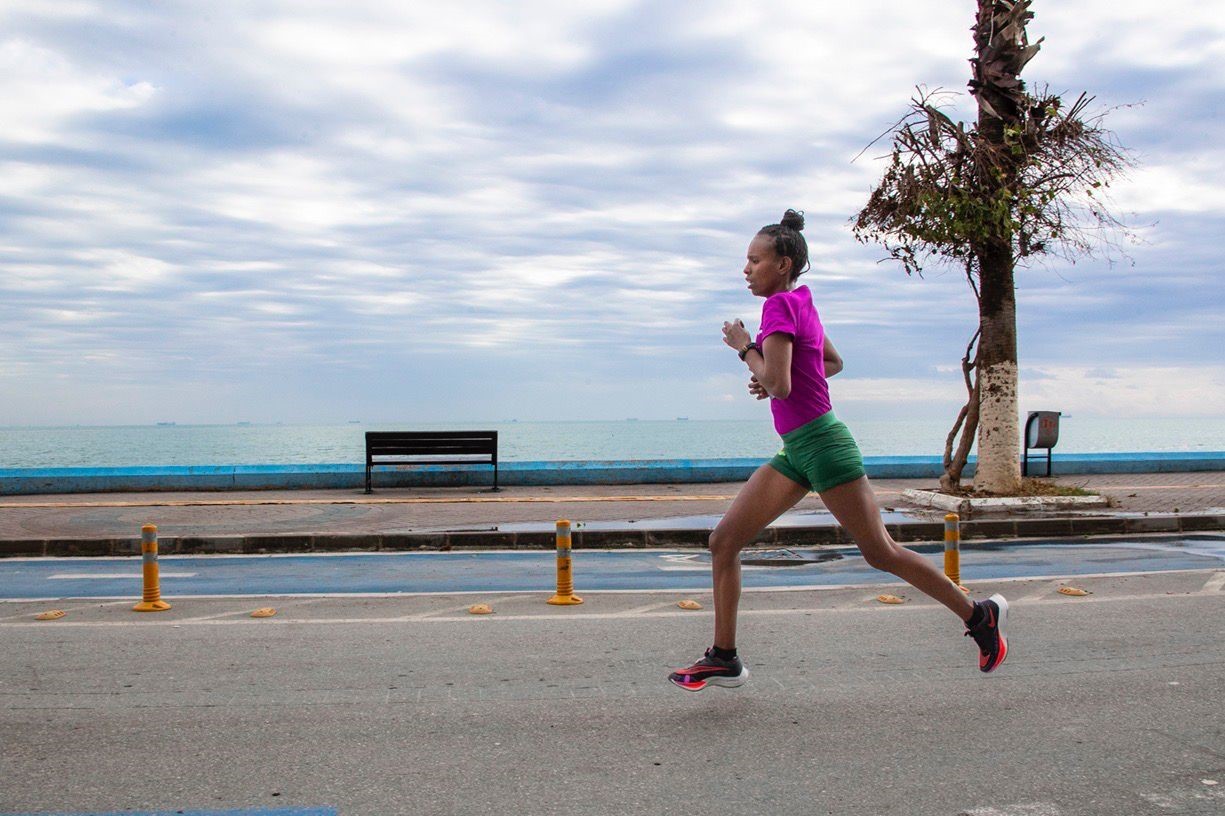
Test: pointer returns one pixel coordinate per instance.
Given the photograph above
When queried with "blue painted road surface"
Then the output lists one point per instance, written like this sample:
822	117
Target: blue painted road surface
594	570
315	811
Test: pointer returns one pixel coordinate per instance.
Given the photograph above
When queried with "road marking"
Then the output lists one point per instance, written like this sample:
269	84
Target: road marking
1043	591
124	602
1023	809
496	599
134	576
1181	799
875	586
245	811
643	610
442	616
1214	583
236	612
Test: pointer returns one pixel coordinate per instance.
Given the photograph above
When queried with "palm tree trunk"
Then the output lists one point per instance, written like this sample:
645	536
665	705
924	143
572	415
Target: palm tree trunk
998	469
1001	50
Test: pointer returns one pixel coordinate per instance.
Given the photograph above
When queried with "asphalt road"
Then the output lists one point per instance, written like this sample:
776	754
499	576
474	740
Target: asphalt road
1108	704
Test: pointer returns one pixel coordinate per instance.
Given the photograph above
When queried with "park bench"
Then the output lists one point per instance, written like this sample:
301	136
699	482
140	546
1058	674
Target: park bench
431	448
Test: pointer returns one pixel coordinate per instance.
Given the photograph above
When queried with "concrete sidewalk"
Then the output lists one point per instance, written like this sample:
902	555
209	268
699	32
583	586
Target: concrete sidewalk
626	516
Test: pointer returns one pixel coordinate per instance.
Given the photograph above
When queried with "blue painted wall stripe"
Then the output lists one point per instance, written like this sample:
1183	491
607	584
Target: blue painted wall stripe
25	481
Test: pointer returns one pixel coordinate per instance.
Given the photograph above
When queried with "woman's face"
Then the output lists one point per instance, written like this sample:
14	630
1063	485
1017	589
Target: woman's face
765	271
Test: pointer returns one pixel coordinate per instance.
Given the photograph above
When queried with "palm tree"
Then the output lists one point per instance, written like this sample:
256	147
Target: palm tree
1025	180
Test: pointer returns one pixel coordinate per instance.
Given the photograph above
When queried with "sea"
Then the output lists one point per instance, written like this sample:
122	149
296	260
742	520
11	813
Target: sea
274	444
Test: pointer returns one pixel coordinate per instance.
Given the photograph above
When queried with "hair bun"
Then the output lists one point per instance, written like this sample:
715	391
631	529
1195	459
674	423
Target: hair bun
793	220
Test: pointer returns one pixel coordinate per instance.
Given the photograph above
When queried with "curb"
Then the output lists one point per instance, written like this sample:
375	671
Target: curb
968	508
905	532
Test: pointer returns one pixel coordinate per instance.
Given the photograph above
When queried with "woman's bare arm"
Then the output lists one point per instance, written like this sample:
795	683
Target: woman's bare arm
771	366
833	360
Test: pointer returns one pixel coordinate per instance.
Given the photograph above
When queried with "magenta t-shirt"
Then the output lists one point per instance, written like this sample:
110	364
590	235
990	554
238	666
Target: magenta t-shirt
793	314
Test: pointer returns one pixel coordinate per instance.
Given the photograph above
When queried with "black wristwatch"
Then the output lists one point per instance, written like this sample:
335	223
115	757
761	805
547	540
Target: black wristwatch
744	352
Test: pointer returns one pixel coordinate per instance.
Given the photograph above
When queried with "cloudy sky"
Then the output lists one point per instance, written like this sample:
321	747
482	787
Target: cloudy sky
317	212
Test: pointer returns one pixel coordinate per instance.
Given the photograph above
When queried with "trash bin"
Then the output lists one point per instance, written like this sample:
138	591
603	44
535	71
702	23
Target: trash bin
1041	431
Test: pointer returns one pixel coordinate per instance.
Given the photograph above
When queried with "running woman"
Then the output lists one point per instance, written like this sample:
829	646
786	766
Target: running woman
789	361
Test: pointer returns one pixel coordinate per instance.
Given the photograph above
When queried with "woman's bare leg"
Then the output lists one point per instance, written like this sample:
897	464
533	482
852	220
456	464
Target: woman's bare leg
854	506
766	496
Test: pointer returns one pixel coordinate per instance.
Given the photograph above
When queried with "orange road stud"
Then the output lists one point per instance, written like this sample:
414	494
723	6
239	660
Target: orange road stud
890	599
689	603
50	614
952	548
565	577
152	601
264	612
480	609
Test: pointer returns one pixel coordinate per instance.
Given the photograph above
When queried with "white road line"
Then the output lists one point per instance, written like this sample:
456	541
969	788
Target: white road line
706	568
127	576
1022	809
1178	800
861	606
92	605
235	612
1043	591
1215	583
492	601
642	610
875	585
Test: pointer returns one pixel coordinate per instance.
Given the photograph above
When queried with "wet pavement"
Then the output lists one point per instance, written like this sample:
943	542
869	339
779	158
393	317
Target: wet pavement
593	570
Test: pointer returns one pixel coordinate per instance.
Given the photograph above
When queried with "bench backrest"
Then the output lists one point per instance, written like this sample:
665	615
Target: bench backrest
403	444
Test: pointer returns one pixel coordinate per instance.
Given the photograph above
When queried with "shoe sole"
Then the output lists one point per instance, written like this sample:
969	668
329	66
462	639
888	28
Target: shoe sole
1001	623
724	682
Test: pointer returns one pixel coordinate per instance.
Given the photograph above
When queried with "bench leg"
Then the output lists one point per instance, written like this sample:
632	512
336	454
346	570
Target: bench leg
495	488
368	488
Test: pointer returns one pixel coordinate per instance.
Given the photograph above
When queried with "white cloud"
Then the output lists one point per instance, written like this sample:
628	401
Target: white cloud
1193	186
1129	391
41	89
306	188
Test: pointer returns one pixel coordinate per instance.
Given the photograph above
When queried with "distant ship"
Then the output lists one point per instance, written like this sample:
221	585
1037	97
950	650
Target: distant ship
165	424
682	419
242	424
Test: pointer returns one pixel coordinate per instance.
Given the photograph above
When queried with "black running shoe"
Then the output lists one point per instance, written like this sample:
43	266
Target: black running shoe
989	633
711	671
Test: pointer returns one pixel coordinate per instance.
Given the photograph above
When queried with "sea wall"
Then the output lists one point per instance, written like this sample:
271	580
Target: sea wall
31	481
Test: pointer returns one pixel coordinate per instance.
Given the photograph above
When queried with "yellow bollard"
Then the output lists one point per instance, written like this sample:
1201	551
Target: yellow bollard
153	591
952	547
565	578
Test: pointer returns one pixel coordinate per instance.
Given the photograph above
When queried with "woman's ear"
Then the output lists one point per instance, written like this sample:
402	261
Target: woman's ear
785	265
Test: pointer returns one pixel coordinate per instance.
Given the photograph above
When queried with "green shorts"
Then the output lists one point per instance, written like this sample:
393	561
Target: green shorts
820	455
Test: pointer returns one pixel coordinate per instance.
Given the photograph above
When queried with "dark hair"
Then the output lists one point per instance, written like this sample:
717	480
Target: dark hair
788	242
